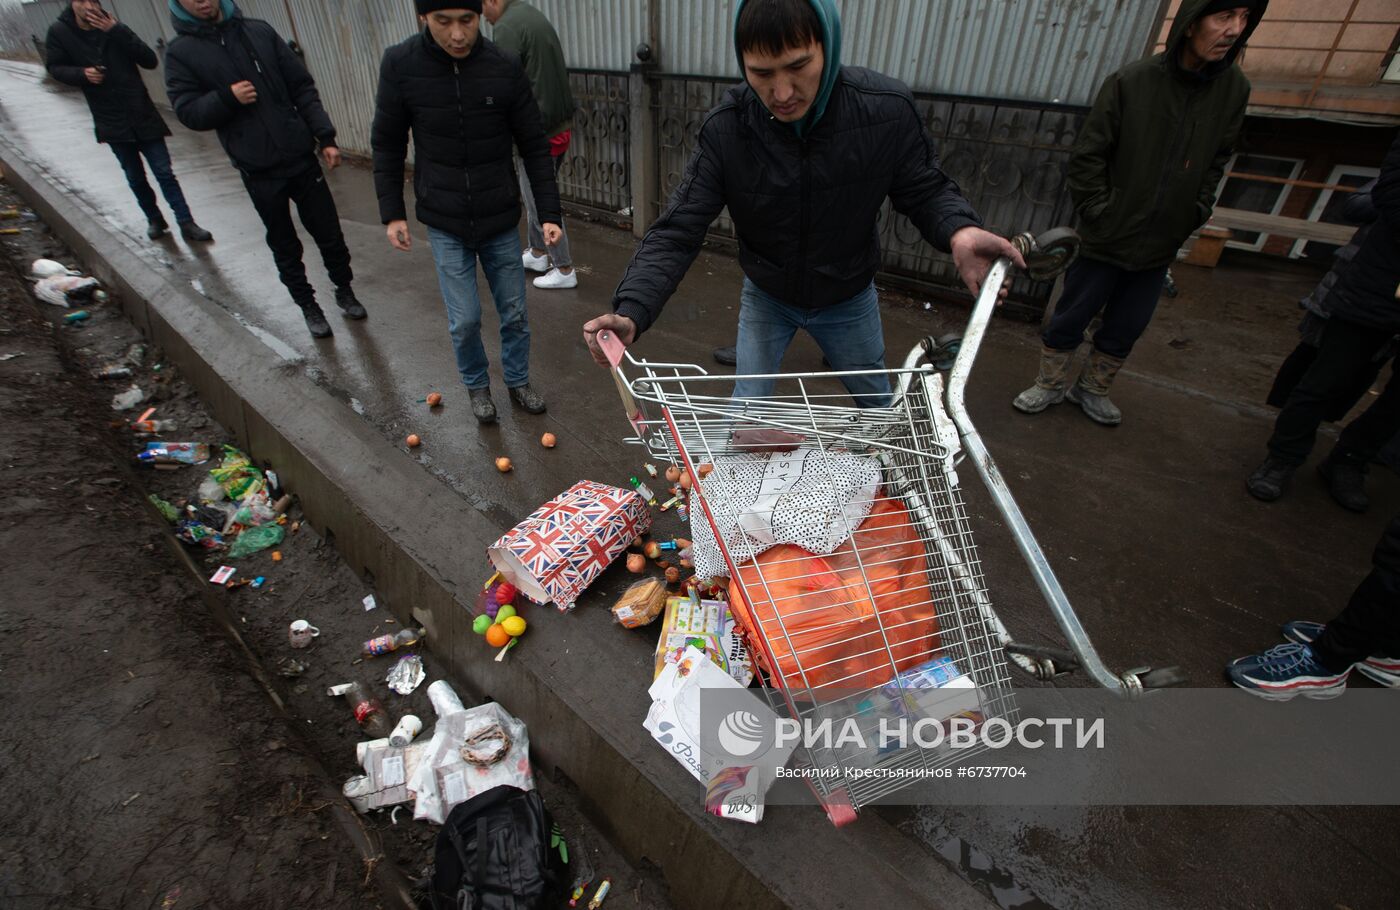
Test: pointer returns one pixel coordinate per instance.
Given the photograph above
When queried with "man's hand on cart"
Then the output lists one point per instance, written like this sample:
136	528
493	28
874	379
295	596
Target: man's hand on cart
974	253
624	328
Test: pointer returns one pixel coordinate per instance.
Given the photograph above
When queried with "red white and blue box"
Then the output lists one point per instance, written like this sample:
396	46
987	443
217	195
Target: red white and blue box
566	543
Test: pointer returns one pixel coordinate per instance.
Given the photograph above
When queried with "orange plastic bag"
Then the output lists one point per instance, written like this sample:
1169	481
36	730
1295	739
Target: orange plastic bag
839	612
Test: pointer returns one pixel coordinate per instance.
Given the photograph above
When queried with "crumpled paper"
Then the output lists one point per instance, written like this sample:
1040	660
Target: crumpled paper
406	675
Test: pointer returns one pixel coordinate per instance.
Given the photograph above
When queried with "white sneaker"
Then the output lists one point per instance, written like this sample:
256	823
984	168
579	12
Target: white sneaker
534	263
557	279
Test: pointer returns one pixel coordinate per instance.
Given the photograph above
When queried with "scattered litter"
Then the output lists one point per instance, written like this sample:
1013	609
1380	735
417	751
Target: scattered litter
385	643
600	895
471	751
300	633
64	290
113	372
368	711
76	317
174	453
125	401
640	604
167	511
236	474
290	667
408	727
709	626
130	799
198	534
4	357
406	675
369	602
222	575
48	268
254	539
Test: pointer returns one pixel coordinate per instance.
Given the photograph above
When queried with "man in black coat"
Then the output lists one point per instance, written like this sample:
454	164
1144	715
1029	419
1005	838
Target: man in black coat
468	105
237	76
1365	317
88	48
804	156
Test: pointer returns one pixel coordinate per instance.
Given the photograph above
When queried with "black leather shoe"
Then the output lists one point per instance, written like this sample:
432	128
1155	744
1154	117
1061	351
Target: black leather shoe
727	356
156	228
527	399
1346	480
349	304
1270	479
483	408
194	233
316	320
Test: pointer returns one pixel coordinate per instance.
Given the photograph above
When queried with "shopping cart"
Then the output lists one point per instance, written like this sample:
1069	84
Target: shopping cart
899	588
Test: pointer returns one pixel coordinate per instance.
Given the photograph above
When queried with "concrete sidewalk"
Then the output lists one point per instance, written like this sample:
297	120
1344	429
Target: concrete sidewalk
1165	557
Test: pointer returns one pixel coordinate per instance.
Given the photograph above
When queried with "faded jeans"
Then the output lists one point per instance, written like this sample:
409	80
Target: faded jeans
456	268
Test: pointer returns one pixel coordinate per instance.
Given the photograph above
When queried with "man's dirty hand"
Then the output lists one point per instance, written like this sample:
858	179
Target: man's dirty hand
974	253
399	237
244	91
624	328
331	155
552	233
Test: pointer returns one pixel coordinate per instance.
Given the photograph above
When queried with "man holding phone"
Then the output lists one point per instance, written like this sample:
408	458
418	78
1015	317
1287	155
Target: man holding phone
88	48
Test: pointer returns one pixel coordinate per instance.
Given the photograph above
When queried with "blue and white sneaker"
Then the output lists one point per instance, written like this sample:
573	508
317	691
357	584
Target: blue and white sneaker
1286	671
1384	670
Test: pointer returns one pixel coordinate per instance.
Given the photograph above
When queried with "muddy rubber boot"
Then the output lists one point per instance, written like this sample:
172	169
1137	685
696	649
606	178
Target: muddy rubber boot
1270	479
1049	386
1091	391
1346	480
483	408
349	304
527	399
316	320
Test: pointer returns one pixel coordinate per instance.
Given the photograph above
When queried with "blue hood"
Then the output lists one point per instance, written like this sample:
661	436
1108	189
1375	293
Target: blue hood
831	48
178	11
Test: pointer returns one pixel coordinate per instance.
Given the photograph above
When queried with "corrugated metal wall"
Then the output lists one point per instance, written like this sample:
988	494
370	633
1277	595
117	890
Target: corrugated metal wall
1030	50
41	15
600	34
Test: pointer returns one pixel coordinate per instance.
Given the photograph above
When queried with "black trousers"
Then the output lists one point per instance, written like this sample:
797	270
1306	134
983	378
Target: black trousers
273	198
1127	300
1345	355
1370	623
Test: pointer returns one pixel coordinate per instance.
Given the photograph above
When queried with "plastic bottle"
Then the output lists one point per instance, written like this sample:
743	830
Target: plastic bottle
369	713
386	643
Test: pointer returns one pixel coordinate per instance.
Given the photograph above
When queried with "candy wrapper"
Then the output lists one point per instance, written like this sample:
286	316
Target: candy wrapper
406	675
565	544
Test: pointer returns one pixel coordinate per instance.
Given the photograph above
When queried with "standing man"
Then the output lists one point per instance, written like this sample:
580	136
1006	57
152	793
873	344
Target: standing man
87	47
524	31
804	156
1365	318
1143	177
468	105
235	75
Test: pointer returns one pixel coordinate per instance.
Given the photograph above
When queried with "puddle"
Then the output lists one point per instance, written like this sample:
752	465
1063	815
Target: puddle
978	868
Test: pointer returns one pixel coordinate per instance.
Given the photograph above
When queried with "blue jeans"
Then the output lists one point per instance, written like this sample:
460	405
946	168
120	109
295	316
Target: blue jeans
158	156
456	269
849	334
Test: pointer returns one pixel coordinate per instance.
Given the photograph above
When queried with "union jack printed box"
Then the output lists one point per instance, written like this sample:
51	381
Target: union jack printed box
567	542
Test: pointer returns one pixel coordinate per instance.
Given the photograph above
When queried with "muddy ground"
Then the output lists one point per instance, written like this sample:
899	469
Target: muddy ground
149	764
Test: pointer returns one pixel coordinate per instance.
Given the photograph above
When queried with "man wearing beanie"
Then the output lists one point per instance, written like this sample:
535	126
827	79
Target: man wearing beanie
469	107
804	155
89	48
1143	177
237	76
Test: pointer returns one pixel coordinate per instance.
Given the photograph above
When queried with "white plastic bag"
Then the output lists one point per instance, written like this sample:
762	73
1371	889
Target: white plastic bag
61	290
500	745
47	268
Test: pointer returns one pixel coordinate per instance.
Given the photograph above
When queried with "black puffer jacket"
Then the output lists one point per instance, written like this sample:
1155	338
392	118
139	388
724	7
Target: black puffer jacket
805	210
1366	289
465	117
121	107
277	135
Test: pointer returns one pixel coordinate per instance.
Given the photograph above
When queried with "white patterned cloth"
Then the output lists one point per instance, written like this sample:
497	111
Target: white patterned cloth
812	498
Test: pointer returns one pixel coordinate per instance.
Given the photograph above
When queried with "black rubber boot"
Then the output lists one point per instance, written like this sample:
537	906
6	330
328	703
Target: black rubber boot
316	320
727	356
1346	480
483	408
349	304
1270	479
156	228
194	233
527	399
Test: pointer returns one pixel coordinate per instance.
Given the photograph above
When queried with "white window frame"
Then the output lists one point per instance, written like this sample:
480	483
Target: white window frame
1287	189
1325	196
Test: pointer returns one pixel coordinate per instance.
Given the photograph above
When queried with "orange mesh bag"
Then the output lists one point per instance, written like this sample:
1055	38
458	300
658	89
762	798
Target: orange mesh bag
827	619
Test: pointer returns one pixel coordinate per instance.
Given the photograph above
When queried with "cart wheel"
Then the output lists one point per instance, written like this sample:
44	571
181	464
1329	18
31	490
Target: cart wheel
1052	253
841	813
1162	677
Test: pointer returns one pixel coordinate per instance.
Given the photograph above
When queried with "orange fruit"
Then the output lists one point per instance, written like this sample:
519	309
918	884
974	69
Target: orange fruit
497	636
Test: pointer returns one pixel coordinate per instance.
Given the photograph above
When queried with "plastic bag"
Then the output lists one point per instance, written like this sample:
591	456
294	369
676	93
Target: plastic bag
498	746
210	490
255	510
47	268
62	290
254	539
167	511
236	474
640	604
839	624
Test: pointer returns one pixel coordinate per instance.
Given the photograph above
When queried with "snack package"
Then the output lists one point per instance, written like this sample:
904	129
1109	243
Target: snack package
708	626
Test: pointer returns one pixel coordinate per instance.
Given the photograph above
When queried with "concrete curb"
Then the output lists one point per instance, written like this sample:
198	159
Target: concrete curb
422	545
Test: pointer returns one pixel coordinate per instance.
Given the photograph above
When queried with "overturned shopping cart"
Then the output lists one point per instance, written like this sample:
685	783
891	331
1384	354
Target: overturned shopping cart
848	544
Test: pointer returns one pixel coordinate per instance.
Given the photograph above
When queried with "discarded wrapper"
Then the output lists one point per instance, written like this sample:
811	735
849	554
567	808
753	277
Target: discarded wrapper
222	575
406	675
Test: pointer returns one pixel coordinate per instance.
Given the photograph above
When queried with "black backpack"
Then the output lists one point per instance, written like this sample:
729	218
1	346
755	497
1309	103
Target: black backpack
500	850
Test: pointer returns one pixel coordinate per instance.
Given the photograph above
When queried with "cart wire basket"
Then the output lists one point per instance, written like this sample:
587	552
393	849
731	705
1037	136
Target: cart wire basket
852	564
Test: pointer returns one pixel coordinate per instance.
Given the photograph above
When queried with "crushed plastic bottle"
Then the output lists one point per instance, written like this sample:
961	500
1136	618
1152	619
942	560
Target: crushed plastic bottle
386	643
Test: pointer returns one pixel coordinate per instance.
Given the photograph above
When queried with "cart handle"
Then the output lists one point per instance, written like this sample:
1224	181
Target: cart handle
1043	262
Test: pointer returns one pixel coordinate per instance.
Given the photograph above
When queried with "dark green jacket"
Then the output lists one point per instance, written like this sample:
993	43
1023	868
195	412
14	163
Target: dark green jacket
525	32
1151	153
